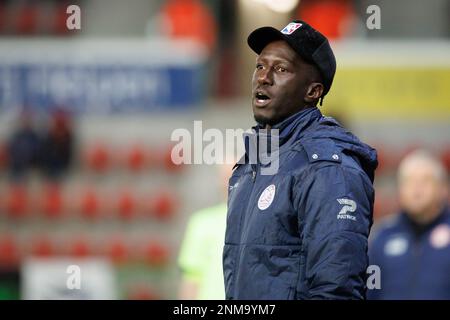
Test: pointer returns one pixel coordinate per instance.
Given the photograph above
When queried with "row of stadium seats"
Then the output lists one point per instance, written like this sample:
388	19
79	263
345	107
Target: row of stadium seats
101	158
28	18
154	253
52	202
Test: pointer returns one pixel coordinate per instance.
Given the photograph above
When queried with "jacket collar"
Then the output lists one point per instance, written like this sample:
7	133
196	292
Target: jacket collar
296	124
289	130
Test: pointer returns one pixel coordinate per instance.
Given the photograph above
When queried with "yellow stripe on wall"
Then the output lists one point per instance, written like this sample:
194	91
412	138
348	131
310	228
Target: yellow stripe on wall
378	93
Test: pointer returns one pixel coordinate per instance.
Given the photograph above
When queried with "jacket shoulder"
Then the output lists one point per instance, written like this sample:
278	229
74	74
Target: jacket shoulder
320	149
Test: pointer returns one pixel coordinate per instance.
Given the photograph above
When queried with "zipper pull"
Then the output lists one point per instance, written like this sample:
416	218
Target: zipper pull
253	175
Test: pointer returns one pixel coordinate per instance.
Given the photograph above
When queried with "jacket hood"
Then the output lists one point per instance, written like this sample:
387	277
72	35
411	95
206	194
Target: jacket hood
348	143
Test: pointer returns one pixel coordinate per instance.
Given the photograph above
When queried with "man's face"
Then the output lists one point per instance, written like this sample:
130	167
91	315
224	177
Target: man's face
421	193
280	83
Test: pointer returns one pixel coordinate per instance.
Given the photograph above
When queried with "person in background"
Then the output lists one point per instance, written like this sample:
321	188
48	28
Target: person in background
200	258
412	250
57	146
23	147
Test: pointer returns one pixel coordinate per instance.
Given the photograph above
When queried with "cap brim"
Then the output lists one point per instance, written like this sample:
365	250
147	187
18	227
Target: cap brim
261	37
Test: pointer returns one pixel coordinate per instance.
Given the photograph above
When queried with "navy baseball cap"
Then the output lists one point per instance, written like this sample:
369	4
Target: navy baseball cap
309	43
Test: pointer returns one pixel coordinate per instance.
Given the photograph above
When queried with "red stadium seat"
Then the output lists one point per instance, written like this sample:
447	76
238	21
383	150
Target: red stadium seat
98	158
117	250
190	20
140	292
156	254
331	17
89	206
59	20
9	251
17	201
42	246
126	205
26	19
166	160
163	205
136	158
52	201
80	248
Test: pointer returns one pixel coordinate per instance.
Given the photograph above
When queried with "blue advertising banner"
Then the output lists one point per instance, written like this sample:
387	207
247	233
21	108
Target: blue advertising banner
102	81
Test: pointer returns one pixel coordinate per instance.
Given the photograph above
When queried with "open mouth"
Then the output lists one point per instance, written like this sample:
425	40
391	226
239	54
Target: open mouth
261	98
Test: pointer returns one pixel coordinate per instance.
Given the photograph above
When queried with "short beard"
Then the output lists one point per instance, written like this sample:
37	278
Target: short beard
263	121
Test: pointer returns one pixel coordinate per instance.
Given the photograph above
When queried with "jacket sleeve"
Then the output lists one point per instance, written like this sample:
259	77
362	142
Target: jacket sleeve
335	205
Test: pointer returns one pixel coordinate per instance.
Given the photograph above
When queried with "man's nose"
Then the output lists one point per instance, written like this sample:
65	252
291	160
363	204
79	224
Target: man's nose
265	77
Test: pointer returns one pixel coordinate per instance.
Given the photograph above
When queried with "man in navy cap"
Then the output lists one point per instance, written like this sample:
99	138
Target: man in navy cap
300	232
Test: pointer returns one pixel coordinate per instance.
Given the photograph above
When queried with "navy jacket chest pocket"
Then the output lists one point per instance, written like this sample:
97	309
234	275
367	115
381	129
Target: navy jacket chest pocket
270	217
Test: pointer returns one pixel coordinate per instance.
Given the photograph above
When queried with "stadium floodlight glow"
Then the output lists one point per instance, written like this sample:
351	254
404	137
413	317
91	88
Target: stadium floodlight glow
260	1
281	6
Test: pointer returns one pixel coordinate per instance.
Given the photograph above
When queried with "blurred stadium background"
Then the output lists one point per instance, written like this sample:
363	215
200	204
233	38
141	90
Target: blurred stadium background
86	117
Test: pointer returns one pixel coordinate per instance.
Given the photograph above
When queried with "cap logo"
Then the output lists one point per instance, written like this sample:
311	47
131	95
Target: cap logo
291	27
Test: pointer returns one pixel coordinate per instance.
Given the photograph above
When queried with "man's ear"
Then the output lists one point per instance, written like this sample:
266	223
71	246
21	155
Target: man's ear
314	92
